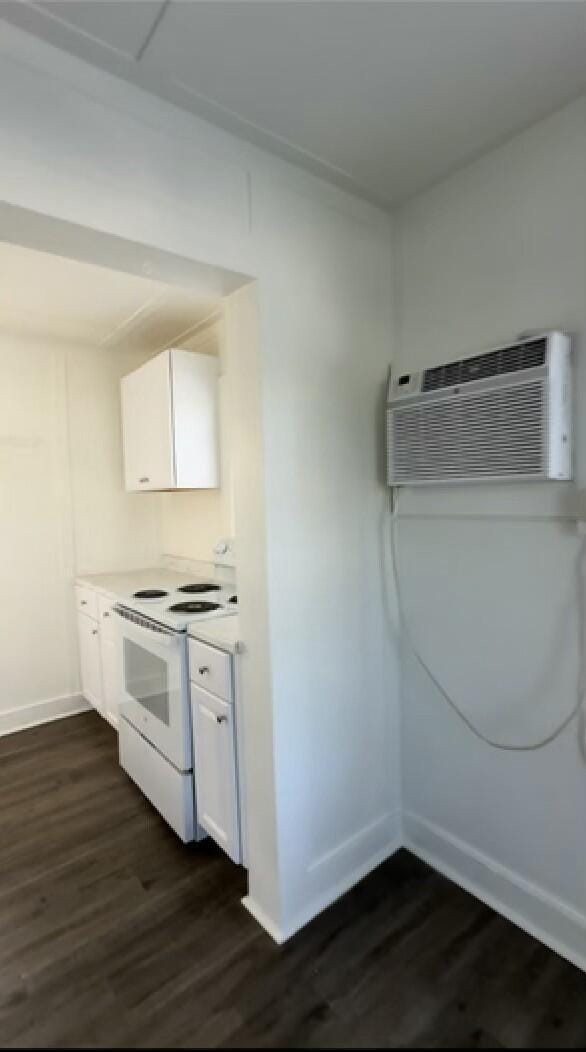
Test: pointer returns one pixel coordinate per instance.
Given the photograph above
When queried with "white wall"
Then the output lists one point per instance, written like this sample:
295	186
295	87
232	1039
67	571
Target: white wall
62	510
325	303
36	530
319	675
497	249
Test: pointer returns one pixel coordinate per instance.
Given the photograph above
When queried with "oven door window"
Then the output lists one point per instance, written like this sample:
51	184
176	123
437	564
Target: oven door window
146	677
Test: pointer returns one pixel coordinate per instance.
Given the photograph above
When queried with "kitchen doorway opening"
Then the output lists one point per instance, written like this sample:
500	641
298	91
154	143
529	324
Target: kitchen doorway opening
78	310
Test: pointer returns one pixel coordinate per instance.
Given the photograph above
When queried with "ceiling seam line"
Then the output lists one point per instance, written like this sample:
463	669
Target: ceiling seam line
152	31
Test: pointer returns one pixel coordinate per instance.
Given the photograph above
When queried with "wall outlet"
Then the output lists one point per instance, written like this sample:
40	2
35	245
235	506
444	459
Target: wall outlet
225	552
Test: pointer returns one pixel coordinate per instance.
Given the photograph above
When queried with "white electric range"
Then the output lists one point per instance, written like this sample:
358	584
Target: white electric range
155	738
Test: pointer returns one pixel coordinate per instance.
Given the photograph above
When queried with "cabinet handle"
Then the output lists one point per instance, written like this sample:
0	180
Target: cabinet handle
83	602
106	613
221	719
94	631
203	670
145	478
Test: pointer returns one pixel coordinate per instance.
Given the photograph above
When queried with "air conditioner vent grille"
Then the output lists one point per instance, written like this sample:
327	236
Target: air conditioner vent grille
528	355
496	433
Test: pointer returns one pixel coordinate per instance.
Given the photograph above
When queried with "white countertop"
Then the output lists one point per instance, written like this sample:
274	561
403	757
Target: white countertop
219	628
124	583
223	632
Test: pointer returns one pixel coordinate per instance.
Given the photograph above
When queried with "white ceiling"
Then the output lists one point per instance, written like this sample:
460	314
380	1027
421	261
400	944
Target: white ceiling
49	297
384	98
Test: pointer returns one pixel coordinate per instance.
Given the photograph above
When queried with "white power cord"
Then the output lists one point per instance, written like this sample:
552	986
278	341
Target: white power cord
403	624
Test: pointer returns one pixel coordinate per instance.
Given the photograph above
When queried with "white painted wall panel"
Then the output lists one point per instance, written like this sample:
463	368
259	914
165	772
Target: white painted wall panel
36	529
324	366
63	510
114	530
498	248
142	180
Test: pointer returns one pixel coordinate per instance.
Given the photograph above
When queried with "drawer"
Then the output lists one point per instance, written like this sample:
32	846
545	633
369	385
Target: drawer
169	790
86	601
210	668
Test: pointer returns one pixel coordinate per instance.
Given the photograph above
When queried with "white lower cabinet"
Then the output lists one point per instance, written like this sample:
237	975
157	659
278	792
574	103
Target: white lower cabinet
109	659
215	769
90	661
98	651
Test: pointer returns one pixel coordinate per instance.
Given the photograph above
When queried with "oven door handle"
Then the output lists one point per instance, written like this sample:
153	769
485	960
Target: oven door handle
146	625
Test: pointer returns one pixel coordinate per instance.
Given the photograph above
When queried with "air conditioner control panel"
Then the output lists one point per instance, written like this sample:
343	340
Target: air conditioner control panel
402	384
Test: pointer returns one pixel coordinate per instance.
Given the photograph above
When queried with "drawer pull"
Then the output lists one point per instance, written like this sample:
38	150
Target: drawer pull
221	719
83	602
106	613
211	669
144	479
94	631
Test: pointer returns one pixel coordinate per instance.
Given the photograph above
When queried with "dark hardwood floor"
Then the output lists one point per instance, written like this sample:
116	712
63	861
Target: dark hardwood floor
113	933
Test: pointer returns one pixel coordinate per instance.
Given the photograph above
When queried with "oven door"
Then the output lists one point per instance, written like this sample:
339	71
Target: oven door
154	688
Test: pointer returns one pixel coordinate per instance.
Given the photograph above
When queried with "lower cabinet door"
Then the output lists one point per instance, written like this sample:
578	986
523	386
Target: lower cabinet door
110	678
215	770
110	661
89	659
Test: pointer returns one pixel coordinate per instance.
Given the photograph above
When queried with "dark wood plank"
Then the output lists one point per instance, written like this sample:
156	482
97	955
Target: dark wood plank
113	933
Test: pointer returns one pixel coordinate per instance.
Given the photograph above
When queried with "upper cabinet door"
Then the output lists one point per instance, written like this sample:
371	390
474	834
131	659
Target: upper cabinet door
170	423
149	461
194	379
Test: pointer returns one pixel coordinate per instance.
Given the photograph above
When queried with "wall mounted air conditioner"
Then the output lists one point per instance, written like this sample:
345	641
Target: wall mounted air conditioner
504	414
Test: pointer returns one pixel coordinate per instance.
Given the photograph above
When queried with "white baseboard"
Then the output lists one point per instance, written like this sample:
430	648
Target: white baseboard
263	919
391	844
45	711
343	885
538	912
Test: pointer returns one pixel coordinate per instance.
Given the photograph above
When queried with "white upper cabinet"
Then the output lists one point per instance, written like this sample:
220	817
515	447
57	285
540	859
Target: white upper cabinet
170	423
